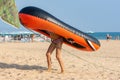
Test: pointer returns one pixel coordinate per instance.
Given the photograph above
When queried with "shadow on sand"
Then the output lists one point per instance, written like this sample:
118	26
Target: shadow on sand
21	67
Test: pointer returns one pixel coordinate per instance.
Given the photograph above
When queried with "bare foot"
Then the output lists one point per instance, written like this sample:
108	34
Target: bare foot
62	72
49	70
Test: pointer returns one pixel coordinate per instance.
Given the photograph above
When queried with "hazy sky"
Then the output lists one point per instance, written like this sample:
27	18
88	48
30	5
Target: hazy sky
85	15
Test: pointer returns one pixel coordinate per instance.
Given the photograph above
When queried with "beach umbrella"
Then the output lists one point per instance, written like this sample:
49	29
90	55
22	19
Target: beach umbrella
9	12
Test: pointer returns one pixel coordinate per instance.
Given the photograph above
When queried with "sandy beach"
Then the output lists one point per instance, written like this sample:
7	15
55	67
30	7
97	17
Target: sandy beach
27	61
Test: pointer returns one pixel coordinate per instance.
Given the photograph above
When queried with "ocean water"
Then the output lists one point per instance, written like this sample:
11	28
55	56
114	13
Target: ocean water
98	35
102	35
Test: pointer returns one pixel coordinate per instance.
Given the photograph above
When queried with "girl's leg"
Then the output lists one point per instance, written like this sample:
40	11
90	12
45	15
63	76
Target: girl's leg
59	57
48	55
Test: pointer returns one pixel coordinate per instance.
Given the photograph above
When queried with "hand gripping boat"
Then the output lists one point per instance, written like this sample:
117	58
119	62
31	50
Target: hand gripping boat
41	21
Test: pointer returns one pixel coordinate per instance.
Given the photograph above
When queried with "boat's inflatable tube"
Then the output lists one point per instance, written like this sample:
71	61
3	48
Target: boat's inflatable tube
38	20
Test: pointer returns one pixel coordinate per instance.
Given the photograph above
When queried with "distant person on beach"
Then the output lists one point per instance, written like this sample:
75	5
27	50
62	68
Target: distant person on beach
108	37
57	42
117	37
32	37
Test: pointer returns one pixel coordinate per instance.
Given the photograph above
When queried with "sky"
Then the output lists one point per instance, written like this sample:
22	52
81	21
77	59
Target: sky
85	15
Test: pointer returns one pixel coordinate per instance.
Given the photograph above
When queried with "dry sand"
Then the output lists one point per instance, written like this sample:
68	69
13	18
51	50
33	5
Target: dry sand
27	61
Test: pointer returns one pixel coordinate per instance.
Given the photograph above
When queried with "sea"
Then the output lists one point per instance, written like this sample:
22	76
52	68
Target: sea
98	35
102	35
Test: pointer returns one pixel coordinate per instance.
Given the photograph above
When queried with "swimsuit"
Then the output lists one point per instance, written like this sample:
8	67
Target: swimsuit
60	39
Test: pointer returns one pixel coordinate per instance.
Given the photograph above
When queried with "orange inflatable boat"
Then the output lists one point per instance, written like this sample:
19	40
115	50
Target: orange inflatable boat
41	21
